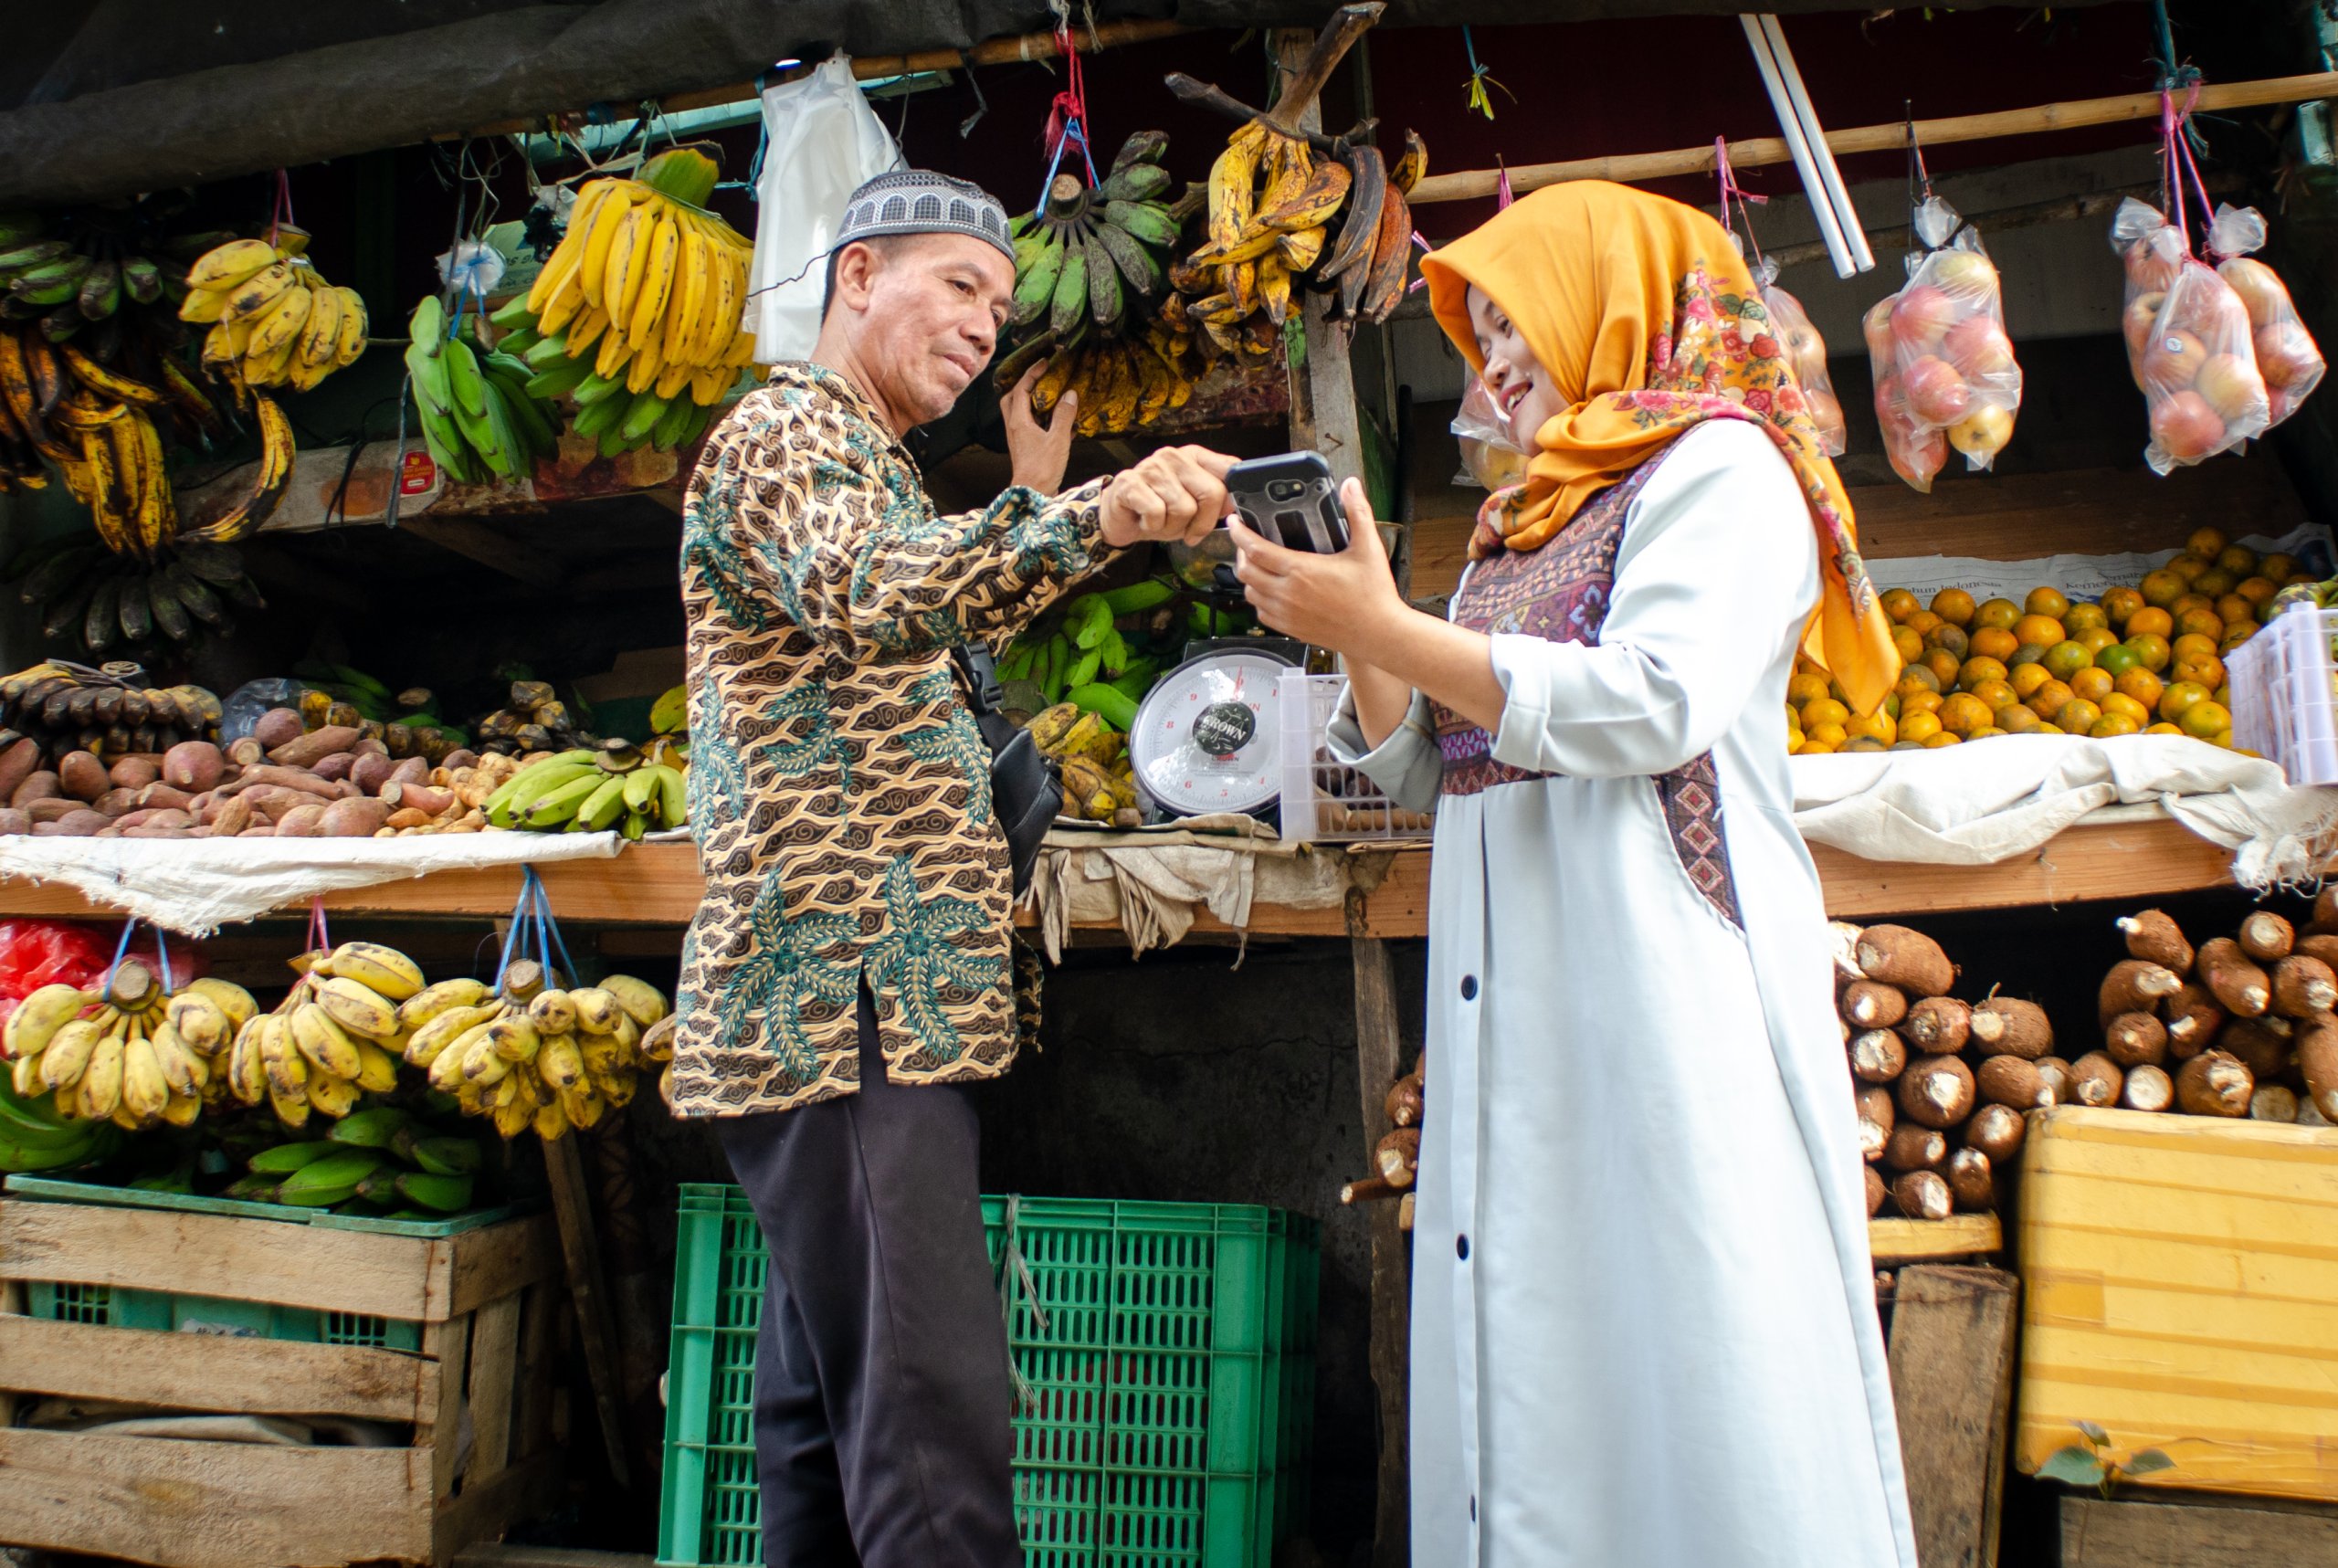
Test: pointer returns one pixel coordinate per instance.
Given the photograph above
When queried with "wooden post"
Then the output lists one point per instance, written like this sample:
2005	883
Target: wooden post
1323	416
1378	1056
580	1252
1951	1379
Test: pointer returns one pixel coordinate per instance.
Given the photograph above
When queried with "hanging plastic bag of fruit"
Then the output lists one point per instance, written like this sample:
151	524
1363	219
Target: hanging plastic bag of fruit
2151	252
1806	352
1490	458
2287	356
1945	369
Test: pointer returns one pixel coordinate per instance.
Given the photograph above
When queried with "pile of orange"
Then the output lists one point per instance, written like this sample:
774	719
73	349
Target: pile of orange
2144	660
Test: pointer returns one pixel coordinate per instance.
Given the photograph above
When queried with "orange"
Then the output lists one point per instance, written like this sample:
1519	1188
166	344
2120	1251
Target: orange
2112	724
2234	609
2187	603
2215	582
2117	659
2027	678
2094	639
2065	660
1876	726
2160	588
1953	606
2119	604
1802	688
1899	604
2276	567
2118	702
2234	635
2179	699
1923	621
2191	644
2207	669
1919	701
2093	685
1890	703
1824	710
2000	614
2206	721
2162	730
1988	734
1910	645
2077	716
1917	677
2043	630
2255	590
1964	713
1945	738
2047	602
1996	693
1977	669
1951	637
2207	542
2029	653
2142	686
2153	621
1995	642
2187	567
1919	726
2237	559
1865	743
2017	719
2050	699
2203	621
1812	749
2084	615
1944	665
2151	649
1830	736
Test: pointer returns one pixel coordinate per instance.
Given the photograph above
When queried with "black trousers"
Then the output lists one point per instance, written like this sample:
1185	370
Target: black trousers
882	1388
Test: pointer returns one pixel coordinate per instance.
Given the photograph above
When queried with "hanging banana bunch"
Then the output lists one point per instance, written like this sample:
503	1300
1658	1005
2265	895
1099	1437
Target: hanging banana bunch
526	1055
636	316
336	1035
275	320
1090	278
129	1053
477	418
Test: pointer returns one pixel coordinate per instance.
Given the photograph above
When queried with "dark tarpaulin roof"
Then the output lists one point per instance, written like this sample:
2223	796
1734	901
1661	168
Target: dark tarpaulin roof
106	97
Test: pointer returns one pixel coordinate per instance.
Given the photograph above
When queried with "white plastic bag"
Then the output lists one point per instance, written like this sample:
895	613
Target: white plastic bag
822	141
1490	459
1806	352
1945	369
2286	355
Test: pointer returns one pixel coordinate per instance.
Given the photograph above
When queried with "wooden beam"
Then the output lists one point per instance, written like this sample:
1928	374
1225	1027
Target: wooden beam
2099	1534
2078	114
1378	1063
1961	1236
580	1249
475	540
1951	1379
210	1372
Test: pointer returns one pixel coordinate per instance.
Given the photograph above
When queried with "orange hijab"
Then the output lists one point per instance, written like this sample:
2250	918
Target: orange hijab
1648	319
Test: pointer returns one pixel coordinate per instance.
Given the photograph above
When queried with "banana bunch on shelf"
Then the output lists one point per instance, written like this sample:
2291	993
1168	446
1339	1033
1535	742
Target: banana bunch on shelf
109	601
109	712
478	419
90	273
1092	755
275	322
529	1055
1091	267
592	791
379	1161
132	1053
335	1038
636	315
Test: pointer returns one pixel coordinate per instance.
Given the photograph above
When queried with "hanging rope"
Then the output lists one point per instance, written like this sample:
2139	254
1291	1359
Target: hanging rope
1066	117
1732	191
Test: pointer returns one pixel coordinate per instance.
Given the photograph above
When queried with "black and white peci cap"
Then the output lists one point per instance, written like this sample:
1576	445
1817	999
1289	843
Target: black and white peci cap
918	201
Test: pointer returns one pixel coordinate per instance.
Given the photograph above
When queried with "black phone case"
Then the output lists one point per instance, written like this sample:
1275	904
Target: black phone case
1311	520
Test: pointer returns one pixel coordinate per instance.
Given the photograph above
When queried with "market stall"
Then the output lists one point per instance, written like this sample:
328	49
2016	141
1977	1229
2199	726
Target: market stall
228	472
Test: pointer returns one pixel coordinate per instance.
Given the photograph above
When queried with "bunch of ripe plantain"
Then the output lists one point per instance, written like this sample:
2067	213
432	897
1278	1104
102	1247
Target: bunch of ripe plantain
133	1053
1089	267
1099	779
109	712
381	1161
478	419
636	315
591	790
275	322
529	1055
534	720
104	601
333	1038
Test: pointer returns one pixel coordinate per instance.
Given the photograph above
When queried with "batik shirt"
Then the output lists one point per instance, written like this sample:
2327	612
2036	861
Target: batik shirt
839	790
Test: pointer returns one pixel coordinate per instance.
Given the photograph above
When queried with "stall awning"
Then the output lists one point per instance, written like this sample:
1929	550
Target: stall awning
106	97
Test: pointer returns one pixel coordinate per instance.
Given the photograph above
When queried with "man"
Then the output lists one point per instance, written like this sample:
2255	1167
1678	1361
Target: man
848	973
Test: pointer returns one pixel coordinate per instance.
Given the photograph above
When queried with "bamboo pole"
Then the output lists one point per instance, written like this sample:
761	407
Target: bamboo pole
1470	184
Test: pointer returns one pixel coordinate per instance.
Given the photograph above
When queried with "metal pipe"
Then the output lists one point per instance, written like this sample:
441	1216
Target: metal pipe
1790	125
1815	134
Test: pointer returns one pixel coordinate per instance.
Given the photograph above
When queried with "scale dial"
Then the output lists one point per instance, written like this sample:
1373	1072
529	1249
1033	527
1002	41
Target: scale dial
1208	735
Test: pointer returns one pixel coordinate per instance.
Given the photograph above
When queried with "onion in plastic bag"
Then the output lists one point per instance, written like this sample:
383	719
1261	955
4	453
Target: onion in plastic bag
1945	369
1490	457
2287	356
1806	355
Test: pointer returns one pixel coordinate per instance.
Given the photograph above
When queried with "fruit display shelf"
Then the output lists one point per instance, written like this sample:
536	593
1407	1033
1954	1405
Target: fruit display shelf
659	884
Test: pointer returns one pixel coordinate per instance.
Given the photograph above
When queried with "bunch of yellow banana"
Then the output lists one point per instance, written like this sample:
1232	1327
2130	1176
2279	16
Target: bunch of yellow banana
335	1038
131	1053
275	320
1121	383
636	315
528	1055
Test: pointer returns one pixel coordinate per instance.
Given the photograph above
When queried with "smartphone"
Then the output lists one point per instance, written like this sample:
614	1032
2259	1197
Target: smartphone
1291	500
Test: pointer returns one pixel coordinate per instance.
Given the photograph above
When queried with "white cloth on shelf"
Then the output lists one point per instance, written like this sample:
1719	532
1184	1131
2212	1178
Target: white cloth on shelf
1975	805
197	885
1152	881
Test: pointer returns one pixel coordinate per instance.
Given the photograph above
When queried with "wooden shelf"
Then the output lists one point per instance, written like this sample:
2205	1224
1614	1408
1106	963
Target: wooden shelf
1897	1241
658	885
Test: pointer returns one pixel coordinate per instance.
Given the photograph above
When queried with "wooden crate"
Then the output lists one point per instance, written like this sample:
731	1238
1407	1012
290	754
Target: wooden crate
2180	1289
2175	1534
1952	1380
478	1397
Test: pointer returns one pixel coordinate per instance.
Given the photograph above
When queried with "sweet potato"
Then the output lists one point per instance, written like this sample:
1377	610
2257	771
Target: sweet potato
52	809
14	823
1908	959
411	770
301	822
304	751
338	766
82	775
277	727
38	785
135	771
2304	986
230	817
2215	1083
420	797
2009	1026
354	818
281	777
2136	986
1936	1091
1939	1025
1872	1005
193	765
18	762
1997	1131
2154	937
371	772
2239	987
247	752
407	818
2148	1087
2267	937
115	802
82	823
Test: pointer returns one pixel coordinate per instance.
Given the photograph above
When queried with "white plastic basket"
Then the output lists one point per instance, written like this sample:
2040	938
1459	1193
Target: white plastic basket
1323	800
2282	694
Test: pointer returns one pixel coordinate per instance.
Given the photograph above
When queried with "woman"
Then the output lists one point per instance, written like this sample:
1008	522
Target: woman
1644	1326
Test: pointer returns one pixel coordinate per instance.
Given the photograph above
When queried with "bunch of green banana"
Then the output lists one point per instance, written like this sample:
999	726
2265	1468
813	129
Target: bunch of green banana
132	1053
108	710
335	1038
275	320
592	791
1079	256
478	416
83	271
380	1160
34	1136
1087	646
536	1056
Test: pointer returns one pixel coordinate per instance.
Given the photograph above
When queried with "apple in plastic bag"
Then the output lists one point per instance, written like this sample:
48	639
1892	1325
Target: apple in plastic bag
2286	355
1977	346
1983	433
1963	272
2147	269
2230	384
1936	393
1923	317
2142	315
2173	359
1877	327
2261	290
2187	428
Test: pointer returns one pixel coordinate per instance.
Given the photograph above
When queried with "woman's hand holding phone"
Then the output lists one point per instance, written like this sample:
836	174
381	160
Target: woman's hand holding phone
1342	601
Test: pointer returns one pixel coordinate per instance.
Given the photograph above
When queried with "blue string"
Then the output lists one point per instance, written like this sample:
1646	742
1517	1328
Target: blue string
119	949
519	923
162	951
543	904
1470	49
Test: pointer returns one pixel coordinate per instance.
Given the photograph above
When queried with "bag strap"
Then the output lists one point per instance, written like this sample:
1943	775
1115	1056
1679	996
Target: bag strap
984	695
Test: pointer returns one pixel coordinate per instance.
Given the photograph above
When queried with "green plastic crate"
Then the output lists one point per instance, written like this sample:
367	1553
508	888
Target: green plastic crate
165	1311
1169	1350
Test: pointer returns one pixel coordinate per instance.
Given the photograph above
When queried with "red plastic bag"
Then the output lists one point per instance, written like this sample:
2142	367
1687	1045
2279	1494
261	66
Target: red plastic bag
34	953
2287	356
1806	352
1945	369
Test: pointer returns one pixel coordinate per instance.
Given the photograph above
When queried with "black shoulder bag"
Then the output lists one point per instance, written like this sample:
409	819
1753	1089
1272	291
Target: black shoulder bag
1025	792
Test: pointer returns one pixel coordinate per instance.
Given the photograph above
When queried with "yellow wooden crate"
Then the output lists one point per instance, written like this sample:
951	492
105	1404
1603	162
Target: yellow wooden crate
2180	1289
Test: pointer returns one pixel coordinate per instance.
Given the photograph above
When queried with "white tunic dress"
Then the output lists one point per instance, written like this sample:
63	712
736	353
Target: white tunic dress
1644	1323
